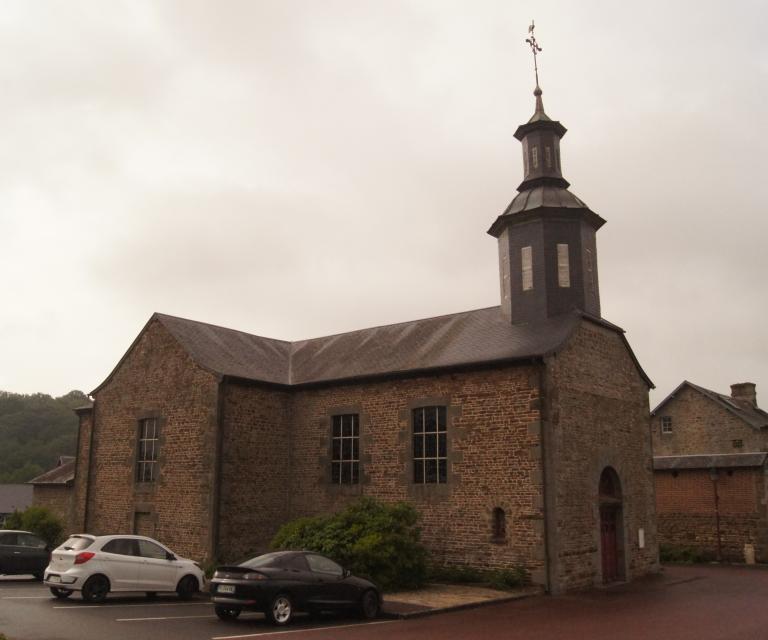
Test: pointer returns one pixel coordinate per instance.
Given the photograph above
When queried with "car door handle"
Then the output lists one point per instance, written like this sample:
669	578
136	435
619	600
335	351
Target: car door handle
17	553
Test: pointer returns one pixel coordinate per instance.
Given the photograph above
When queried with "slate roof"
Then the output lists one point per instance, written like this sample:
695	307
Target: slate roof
15	497
753	416
63	473
471	338
718	461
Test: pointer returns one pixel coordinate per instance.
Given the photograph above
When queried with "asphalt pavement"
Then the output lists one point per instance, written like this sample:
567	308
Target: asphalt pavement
684	603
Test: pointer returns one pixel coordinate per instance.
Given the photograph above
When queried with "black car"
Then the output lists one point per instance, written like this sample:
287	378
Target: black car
22	552
284	582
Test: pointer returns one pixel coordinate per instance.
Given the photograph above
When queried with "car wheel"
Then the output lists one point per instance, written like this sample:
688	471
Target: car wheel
370	604
95	589
187	587
280	610
61	594
227	613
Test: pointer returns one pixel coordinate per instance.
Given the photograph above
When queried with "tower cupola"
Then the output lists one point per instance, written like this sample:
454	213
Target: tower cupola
546	236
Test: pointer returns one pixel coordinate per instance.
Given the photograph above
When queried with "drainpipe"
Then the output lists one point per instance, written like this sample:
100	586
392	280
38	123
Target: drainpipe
715	476
545	498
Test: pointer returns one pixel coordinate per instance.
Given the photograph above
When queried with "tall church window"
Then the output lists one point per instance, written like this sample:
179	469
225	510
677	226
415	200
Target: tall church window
430	455
345	449
526	256
563	266
146	460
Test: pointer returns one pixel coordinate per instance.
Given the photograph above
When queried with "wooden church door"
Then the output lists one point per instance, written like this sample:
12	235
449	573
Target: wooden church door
609	543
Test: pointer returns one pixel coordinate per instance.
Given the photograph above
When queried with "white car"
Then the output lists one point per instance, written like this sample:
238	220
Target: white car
98	565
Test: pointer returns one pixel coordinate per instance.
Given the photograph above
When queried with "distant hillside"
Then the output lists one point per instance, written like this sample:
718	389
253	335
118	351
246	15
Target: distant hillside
34	431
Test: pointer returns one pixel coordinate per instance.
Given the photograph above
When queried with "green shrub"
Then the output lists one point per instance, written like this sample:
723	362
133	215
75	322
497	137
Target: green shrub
40	521
684	555
503	579
373	539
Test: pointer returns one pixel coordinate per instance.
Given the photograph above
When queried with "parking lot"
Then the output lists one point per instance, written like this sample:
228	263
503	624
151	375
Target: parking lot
28	612
685	603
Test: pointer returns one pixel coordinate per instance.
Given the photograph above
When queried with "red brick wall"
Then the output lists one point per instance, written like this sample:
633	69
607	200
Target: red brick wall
493	460
157	378
255	469
685	504
596	416
700	425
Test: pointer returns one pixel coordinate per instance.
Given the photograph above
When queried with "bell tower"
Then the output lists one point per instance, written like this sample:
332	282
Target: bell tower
546	236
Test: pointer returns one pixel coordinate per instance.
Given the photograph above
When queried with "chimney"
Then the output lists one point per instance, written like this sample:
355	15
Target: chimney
744	391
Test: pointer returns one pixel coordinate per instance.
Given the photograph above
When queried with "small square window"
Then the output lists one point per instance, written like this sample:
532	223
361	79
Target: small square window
666	424
737	444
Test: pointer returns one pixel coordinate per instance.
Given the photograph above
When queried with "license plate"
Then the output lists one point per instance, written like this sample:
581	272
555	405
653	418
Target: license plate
54	578
225	588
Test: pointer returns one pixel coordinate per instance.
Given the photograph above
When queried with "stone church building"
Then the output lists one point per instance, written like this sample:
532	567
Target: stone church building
520	432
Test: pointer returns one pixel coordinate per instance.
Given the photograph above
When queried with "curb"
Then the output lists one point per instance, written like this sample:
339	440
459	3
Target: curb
393	615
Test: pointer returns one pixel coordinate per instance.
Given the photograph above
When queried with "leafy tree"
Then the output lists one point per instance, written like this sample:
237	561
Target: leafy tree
381	541
35	429
40	521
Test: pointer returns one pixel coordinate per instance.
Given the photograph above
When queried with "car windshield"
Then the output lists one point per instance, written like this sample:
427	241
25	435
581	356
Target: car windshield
267	560
76	543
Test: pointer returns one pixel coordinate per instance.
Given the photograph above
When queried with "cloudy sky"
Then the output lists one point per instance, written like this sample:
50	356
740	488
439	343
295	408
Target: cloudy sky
294	168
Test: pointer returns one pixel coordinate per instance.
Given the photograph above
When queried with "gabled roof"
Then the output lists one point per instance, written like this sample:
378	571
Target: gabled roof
713	461
471	338
63	473
753	416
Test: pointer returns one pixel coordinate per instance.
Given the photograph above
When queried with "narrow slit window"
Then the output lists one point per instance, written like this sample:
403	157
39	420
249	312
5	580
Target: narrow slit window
499	524
590	271
526	255
548	157
535	156
563	266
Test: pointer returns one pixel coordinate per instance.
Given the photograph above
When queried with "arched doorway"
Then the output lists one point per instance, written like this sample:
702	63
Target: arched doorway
611	526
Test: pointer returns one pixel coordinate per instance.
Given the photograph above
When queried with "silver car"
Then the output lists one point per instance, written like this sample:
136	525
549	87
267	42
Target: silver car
98	565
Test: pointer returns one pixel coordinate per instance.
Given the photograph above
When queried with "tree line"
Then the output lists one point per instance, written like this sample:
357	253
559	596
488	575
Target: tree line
35	429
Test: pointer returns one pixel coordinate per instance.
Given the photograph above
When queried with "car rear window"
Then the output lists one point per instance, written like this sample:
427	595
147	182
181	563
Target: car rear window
266	560
76	543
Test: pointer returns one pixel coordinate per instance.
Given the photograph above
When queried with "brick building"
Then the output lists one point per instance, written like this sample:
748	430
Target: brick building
710	471
53	489
520	432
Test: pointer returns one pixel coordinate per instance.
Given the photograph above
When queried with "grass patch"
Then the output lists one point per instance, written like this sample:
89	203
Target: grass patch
683	555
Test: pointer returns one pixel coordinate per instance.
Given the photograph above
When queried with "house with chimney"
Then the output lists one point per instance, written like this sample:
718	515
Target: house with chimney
520	432
710	452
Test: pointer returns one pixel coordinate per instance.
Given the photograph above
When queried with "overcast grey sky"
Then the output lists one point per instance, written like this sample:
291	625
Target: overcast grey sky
297	168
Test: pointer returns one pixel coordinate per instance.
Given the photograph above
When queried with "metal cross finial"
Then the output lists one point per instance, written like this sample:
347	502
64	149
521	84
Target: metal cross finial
535	48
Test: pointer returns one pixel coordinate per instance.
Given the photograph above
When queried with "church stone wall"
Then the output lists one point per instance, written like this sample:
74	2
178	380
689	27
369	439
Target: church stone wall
255	469
155	379
493	453
596	415
82	471
700	425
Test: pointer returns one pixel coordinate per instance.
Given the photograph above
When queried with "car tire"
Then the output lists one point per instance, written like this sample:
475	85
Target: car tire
61	594
370	605
280	611
95	589
226	613
187	587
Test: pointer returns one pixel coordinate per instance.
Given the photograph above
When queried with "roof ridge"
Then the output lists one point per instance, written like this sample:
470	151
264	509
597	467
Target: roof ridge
396	324
218	326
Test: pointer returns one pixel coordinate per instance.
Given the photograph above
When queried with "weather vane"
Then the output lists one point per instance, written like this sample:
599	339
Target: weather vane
535	48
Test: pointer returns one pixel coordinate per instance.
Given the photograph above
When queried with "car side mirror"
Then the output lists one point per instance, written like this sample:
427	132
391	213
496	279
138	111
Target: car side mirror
170	556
